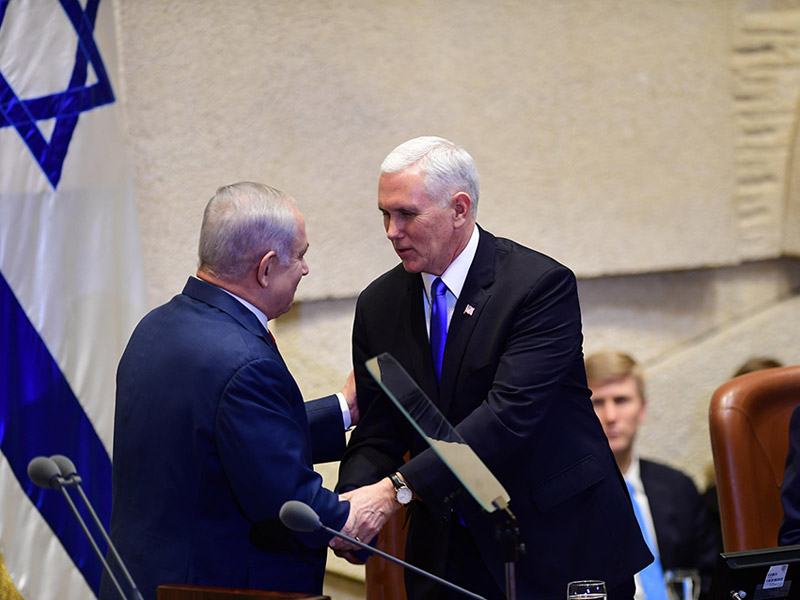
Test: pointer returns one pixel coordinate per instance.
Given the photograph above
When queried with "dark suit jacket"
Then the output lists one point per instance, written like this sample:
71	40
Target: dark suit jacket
210	439
790	489
686	539
513	380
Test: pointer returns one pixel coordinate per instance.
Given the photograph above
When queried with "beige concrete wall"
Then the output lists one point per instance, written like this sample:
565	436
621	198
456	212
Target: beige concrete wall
621	112
651	145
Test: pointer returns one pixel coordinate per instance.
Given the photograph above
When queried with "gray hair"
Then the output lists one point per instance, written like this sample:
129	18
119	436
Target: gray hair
242	223
448	168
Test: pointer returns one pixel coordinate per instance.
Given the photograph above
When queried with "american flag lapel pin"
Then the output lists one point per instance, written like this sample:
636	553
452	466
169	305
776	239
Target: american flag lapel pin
469	310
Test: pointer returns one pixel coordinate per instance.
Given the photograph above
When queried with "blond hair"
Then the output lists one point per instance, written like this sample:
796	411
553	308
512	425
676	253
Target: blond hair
611	365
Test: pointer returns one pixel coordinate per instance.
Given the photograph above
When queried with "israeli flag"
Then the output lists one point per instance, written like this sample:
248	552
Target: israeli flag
71	282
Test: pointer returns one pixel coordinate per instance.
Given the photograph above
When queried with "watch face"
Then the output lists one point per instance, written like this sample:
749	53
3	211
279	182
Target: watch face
404	495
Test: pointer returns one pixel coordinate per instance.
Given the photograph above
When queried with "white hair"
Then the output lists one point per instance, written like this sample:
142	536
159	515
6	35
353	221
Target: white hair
448	168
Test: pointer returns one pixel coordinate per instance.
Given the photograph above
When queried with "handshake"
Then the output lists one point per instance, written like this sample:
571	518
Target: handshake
370	505
370	508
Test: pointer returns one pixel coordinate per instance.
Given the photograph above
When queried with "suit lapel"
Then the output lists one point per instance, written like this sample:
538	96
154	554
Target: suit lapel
468	310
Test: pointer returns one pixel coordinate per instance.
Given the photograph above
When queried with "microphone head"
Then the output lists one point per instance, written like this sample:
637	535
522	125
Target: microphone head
65	465
299	516
44	472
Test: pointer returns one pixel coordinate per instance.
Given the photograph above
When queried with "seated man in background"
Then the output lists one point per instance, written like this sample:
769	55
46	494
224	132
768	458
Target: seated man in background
676	523
790	490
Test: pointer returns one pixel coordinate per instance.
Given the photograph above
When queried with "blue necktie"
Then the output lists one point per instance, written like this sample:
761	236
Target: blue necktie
438	323
652	576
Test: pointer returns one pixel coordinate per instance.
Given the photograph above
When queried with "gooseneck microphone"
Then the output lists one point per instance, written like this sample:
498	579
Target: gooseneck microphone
44	472
58	472
299	516
72	479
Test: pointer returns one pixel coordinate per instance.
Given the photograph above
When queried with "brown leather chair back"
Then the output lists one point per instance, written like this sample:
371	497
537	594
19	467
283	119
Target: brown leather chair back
749	425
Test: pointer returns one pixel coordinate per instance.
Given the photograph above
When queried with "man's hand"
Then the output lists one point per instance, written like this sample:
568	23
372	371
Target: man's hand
370	507
349	393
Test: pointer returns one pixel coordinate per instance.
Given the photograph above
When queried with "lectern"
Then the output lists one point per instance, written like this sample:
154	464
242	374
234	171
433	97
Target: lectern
180	591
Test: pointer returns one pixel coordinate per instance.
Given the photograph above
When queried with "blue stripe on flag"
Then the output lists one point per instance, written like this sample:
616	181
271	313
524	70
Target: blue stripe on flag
40	415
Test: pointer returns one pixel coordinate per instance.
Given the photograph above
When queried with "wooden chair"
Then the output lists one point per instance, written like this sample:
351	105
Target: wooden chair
749	426
385	579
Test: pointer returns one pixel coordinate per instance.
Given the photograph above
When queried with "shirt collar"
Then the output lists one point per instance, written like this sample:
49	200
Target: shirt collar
456	274
262	318
634	474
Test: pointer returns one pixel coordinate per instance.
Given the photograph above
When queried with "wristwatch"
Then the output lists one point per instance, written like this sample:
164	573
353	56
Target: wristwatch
404	493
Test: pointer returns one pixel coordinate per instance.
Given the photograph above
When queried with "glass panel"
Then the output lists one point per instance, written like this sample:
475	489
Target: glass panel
442	437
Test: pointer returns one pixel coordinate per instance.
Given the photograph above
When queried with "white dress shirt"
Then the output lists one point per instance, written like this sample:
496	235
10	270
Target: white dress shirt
454	277
634	477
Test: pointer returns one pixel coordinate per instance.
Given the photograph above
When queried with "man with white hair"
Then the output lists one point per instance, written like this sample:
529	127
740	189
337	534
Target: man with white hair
491	331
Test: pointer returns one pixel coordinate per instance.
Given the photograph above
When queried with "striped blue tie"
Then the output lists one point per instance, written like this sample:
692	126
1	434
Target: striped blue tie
652	576
438	324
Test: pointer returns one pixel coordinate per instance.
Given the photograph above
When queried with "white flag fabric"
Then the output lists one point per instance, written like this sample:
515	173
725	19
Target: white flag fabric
71	282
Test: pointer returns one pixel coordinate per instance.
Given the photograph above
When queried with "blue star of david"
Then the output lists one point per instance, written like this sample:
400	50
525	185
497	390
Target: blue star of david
65	107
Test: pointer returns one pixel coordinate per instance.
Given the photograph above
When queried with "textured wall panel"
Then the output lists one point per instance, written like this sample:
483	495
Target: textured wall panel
766	66
602	130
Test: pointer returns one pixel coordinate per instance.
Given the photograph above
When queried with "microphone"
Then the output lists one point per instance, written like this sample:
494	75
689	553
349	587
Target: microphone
299	516
58	472
72	479
44	473
68	470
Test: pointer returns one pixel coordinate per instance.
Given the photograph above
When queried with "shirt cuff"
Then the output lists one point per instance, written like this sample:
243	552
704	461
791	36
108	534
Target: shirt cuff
345	410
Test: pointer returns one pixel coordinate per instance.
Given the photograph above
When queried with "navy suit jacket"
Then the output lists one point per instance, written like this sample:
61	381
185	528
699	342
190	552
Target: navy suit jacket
790	489
686	539
513	380
211	437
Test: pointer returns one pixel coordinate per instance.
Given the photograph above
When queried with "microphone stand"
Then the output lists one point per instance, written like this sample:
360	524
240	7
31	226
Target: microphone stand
299	516
61	483
74	480
58	472
507	535
402	563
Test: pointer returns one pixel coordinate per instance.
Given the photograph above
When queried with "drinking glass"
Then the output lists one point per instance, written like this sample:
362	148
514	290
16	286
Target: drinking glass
588	589
683	584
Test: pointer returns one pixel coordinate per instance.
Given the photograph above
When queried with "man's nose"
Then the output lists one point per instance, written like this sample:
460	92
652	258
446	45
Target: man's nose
392	230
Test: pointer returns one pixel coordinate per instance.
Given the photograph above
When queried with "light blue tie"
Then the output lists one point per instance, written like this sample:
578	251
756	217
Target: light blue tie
652	576
438	323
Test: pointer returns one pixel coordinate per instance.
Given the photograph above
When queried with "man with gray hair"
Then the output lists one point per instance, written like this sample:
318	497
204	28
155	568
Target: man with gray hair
491	331
211	434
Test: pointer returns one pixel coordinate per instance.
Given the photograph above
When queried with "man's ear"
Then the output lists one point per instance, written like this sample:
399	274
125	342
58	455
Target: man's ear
265	266
461	203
